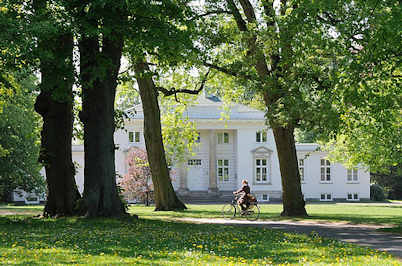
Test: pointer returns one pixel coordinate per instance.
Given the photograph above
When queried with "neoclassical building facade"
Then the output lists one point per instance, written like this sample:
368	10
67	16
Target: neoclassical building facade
243	147
237	148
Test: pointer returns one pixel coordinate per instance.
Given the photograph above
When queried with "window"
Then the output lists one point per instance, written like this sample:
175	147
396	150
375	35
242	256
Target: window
353	196
194	162
352	175
301	169
134	136
264	197
198	138
261	136
326	197
223	170
223	138
261	171
325	171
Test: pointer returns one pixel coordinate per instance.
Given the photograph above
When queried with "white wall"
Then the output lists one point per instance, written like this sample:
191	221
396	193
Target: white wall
242	142
312	187
246	144
78	159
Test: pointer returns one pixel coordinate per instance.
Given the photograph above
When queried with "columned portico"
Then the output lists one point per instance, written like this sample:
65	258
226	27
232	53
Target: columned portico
213	187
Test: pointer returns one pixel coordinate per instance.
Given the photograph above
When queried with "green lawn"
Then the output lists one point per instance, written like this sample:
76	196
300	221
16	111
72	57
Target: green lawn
367	213
128	241
157	239
356	213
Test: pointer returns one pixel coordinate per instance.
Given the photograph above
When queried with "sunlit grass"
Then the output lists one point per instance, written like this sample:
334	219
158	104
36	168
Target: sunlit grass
357	213
159	242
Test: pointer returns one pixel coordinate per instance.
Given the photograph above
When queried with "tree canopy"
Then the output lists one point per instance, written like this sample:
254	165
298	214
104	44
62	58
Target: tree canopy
19	137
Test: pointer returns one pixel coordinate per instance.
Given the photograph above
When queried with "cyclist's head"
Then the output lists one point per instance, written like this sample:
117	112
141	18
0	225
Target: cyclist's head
244	181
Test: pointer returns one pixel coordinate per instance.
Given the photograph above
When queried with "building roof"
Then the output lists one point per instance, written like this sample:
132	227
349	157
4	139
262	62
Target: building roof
209	107
307	147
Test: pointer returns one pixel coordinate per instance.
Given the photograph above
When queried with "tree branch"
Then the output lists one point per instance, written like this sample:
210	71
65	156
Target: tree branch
174	91
214	12
241	24
248	11
228	71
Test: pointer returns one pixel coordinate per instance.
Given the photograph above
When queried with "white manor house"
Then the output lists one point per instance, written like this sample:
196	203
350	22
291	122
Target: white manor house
241	147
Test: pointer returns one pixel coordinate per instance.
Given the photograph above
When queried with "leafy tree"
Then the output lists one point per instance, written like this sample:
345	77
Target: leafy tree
55	105
166	42
101	28
368	87
19	137
391	181
36	38
303	59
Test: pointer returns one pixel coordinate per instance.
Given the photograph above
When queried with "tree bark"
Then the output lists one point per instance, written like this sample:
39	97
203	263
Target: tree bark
164	194
99	68
293	202
56	83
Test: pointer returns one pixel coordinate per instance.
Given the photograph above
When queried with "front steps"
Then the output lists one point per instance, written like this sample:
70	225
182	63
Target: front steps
200	197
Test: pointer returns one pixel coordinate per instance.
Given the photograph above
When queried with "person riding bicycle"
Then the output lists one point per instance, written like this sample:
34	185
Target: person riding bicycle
243	193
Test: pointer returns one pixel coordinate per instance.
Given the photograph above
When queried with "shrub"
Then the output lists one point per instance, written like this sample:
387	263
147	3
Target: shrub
137	183
377	193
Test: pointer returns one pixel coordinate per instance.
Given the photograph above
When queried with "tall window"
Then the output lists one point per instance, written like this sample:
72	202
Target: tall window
352	175
223	138
261	171
261	136
325	170
301	169
134	136
223	170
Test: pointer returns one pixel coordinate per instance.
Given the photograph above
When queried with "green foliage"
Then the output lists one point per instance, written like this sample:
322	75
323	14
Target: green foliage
338	72
19	138
377	193
178	132
391	181
303	136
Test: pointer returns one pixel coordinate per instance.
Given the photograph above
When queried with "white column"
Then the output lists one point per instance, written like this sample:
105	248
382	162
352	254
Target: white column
183	178
213	187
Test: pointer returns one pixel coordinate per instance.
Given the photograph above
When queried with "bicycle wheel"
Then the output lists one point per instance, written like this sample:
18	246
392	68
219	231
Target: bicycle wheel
253	212
228	211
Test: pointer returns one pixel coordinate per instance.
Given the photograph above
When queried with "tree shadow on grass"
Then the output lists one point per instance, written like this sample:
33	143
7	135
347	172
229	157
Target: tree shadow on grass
111	241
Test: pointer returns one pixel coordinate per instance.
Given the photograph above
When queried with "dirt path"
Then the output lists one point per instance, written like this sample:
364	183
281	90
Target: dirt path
364	235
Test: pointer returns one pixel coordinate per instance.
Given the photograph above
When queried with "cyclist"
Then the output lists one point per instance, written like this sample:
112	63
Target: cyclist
243	193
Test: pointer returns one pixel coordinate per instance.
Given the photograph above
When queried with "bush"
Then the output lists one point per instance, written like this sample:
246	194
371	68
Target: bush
377	193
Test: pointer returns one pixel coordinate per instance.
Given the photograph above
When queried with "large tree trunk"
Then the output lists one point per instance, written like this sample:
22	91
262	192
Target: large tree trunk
293	202
99	68
164	194
56	83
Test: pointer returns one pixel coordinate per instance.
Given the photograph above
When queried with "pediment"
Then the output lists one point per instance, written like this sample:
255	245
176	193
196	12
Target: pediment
262	150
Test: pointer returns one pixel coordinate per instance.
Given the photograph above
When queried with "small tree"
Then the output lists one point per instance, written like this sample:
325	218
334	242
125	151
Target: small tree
137	183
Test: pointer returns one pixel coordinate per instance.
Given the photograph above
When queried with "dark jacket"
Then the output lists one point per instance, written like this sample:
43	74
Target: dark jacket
245	189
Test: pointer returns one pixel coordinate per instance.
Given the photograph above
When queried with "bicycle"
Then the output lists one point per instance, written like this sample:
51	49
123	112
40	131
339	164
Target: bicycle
230	210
